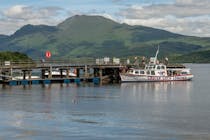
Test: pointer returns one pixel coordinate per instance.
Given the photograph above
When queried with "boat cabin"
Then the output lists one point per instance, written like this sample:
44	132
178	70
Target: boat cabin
150	70
178	72
156	69
159	70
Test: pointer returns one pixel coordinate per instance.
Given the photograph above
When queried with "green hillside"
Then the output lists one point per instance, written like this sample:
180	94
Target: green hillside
194	57
13	56
96	36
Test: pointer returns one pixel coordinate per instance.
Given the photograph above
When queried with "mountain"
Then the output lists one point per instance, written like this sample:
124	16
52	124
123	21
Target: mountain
31	29
3	38
96	36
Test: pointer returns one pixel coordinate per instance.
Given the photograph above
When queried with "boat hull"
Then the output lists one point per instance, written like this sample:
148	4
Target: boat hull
137	78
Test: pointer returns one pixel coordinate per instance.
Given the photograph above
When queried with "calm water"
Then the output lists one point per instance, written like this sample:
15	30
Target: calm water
139	111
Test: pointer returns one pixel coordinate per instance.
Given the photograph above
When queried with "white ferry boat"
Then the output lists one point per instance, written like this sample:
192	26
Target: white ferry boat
156	72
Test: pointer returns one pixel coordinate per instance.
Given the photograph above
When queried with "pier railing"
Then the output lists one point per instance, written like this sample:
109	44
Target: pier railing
69	62
17	64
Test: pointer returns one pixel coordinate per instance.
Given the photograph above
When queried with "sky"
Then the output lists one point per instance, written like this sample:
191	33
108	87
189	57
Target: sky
187	17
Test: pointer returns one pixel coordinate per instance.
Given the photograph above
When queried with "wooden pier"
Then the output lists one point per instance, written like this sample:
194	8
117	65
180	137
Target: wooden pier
83	72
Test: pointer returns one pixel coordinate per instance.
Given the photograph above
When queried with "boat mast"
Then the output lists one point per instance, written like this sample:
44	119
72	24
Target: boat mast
155	61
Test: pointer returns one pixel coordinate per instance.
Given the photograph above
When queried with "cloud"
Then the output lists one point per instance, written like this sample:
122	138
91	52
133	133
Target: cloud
178	9
19	15
15	11
184	2
189	17
8	27
30	12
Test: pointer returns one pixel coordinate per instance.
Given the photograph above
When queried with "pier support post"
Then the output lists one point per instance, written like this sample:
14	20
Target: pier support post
78	72
116	76
42	74
24	74
61	73
67	72
86	72
29	74
50	73
96	72
101	75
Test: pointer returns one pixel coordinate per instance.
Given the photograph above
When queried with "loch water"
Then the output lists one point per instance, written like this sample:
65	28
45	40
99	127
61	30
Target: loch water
127	111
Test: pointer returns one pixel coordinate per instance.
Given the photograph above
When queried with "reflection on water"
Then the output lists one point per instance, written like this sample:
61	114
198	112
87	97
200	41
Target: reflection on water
159	91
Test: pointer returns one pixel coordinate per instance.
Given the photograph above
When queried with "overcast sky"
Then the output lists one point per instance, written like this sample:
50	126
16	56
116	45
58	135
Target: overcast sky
188	17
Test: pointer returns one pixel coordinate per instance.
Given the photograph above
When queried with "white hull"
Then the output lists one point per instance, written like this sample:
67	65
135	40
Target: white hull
138	78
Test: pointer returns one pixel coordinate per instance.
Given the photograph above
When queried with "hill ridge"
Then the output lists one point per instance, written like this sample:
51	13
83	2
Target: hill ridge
97	36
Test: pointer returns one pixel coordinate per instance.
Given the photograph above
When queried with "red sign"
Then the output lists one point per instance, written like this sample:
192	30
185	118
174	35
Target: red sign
48	54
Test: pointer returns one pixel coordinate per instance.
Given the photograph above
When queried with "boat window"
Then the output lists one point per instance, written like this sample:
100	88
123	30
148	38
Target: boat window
169	72
136	72
141	72
130	71
152	72
162	67
158	67
184	73
148	72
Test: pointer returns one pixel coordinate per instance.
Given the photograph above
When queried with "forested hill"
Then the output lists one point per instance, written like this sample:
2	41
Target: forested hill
96	36
14	56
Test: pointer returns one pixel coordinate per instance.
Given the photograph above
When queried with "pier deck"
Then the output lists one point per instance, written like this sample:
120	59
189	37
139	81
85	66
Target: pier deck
83	72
